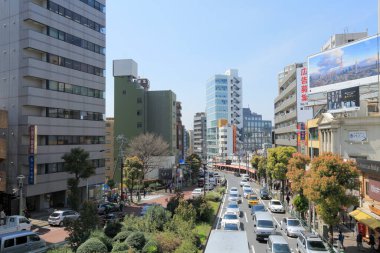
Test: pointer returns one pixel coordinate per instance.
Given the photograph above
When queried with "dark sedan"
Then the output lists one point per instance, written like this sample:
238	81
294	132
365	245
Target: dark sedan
264	194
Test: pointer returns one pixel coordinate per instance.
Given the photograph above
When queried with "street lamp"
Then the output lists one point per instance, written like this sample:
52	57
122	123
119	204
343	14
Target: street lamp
20	180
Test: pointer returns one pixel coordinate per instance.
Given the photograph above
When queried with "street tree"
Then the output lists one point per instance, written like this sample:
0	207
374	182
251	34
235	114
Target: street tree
148	148
278	159
328	183
262	168
133	172
255	161
76	163
194	162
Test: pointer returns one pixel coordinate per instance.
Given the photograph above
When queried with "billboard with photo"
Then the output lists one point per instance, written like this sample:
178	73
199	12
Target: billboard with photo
343	100
343	67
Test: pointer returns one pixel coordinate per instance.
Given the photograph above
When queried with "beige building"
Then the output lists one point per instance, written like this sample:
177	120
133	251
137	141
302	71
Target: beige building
110	144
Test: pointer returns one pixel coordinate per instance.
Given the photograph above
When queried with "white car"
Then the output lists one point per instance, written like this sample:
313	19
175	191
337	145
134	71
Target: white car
243	182
209	187
58	218
246	192
310	243
233	208
197	192
234	190
229	218
234	197
275	206
291	226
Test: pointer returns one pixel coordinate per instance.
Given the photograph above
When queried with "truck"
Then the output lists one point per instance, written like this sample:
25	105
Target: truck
15	223
227	242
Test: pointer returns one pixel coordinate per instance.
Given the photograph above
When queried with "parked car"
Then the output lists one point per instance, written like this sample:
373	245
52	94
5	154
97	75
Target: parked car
58	218
233	208
234	197
310	243
22	241
291	226
264	194
275	206
252	200
229	218
257	209
277	244
197	192
243	182
15	223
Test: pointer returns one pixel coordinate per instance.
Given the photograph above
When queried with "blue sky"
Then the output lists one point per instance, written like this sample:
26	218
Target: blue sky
180	44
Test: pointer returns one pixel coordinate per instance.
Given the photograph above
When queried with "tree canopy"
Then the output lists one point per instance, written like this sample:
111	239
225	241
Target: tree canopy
296	171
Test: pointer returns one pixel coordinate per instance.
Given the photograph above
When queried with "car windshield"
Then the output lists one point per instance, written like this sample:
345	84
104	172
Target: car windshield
231	226
281	248
233	195
265	223
54	215
264	192
247	190
258	208
276	203
232	206
294	223
253	198
316	246
197	190
230	217
234	189
244	180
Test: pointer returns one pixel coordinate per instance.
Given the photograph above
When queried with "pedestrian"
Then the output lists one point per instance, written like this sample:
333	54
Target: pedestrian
121	206
287	199
144	193
340	240
372	241
359	241
2	217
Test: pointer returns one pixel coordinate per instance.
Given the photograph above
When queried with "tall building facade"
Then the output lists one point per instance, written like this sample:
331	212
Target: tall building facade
223	101
139	110
109	149
52	71
256	131
200	130
180	132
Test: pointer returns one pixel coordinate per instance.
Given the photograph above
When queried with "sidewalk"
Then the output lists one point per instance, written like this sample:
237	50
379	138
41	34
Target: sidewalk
350	241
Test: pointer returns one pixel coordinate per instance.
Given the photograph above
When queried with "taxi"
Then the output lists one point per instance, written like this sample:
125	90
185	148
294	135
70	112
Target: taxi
252	200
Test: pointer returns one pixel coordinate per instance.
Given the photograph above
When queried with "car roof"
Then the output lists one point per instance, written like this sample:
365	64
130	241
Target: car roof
258	205
275	200
310	236
18	233
278	239
264	216
61	211
229	213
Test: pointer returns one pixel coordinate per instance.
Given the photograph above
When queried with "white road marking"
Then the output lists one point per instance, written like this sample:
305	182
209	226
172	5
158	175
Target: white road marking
245	215
253	249
276	220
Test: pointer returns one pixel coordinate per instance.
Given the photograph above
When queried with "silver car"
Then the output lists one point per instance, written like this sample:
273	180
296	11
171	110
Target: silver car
233	208
234	197
291	226
58	218
310	243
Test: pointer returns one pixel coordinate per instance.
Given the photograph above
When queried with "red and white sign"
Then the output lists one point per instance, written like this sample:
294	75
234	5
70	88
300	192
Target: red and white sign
373	190
303	113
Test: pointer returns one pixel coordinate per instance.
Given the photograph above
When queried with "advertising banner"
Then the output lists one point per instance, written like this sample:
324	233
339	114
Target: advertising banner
374	190
32	152
357	136
343	67
343	100
303	113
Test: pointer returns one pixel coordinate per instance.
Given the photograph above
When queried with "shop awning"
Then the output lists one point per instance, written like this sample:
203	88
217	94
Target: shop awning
365	218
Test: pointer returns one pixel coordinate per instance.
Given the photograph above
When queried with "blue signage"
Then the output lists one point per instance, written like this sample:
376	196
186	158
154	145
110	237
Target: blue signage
31	170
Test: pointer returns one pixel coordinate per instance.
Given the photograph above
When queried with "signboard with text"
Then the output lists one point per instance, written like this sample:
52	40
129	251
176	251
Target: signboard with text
343	100
357	136
304	113
32	152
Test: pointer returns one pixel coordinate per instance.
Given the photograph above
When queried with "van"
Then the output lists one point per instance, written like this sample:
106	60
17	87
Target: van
277	244
263	226
22	241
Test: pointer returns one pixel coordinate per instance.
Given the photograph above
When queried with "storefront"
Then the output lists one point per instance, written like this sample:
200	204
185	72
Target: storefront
368	214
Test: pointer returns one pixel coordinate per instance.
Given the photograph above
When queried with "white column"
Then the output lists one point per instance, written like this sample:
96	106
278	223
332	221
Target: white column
321	143
332	141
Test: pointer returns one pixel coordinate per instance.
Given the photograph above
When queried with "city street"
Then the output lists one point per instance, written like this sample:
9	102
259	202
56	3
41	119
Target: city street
246	219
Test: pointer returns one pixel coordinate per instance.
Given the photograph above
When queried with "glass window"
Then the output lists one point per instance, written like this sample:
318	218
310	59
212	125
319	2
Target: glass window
61	35
52	112
51	168
52	85
98	71
68	63
77	41
60	140
61	10
9	243
54	59
84	21
68	14
76	17
91	24
84	67
75	114
84	91
91	69
53	32
91	46
85	44
91	92
97	93
76	89
52	140
60	113
61	87
34	238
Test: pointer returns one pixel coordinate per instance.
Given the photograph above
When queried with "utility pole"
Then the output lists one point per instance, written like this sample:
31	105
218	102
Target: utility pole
20	180
122	142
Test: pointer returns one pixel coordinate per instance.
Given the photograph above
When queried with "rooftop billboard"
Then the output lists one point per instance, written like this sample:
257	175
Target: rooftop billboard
348	66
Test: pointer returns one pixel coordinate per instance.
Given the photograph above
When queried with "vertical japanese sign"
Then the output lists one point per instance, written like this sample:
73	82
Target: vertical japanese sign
303	113
32	152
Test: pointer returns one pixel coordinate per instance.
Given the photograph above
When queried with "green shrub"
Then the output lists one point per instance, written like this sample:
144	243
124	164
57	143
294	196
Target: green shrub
155	218
186	247
151	247
120	247
168	241
112	229
174	202
60	250
136	240
103	238
213	196
221	190
92	245
122	236
204	209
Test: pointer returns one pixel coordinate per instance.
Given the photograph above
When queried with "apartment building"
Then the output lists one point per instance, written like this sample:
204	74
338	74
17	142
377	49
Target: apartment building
199	135
52	71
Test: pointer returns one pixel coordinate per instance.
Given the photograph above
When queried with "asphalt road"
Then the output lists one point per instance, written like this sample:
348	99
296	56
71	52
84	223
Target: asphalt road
246	219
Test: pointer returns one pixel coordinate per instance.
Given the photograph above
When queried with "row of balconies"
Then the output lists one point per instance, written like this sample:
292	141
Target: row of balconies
285	92
287	129
287	103
286	117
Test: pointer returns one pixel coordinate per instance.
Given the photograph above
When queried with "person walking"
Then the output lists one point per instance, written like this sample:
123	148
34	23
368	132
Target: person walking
2	217
359	241
372	242
340	240
144	193
287	199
